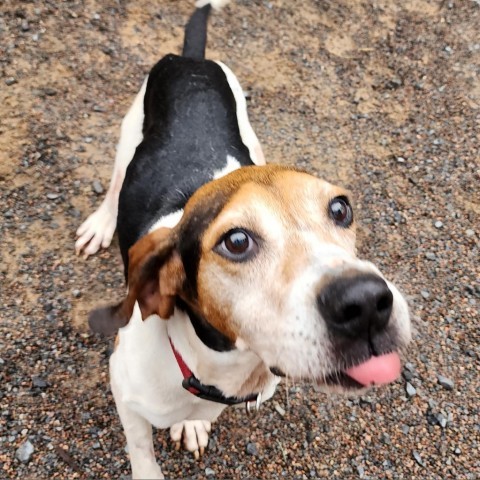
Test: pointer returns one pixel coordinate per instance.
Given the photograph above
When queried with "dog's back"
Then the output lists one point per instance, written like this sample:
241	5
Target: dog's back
190	128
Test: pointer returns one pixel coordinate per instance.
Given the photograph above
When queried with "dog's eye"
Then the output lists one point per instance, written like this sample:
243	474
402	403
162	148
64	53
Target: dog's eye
237	245
341	212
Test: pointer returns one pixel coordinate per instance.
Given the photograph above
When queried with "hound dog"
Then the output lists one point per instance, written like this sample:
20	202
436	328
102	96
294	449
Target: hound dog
253	265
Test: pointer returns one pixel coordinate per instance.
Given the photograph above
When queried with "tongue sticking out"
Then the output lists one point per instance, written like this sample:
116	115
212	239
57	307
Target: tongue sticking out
376	370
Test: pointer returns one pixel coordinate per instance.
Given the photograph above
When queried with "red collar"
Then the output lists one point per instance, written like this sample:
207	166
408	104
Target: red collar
209	392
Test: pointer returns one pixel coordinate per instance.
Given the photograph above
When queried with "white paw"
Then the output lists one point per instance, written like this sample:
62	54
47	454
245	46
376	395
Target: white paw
97	230
148	472
194	434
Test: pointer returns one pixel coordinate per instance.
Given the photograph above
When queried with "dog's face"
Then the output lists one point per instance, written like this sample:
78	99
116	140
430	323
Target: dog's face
266	255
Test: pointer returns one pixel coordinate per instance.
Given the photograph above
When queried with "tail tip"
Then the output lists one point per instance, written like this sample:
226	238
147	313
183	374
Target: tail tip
216	4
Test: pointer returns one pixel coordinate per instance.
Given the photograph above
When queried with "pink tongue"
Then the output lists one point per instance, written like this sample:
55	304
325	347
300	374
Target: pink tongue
376	370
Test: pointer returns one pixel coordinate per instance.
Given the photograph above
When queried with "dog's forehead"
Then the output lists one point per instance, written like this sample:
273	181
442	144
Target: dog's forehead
287	191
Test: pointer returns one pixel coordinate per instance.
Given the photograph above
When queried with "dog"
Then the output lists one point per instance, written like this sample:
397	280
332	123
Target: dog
238	272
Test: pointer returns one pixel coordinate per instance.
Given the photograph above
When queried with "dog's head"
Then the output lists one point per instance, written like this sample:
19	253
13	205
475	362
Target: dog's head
266	256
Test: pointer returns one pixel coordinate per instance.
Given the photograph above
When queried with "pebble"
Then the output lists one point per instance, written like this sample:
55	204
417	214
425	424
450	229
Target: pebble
469	232
445	382
76	293
10	81
438	224
410	367
252	449
209	472
400	160
425	294
430	256
39	382
441	419
418	458
279	410
52	196
24	452
97	187
410	389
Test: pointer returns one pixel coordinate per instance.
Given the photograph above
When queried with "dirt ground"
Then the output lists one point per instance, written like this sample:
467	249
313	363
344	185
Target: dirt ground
380	96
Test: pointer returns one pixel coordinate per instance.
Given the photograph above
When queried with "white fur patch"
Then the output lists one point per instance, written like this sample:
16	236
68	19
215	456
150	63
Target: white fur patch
168	221
249	138
216	4
232	164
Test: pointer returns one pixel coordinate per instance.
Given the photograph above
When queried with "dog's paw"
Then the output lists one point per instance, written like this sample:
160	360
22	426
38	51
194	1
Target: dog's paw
194	434
97	230
148	472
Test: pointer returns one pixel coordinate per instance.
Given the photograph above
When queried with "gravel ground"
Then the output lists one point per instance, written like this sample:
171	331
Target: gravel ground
380	96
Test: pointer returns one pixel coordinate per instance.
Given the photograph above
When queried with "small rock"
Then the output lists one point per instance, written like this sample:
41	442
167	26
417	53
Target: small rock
457	451
8	214
438	224
279	410
52	196
209	472
10	81
96	445
385	438
425	294
400	160
76	293
410	389
252	449
24	452
97	187
430	256
469	233
25	26
39	382
441	420
418	458
445	382
410	367
98	108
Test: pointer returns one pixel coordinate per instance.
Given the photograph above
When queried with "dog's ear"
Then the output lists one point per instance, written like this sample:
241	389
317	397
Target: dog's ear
155	277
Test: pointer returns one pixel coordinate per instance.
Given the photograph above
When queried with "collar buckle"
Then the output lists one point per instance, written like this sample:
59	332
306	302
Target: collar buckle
253	406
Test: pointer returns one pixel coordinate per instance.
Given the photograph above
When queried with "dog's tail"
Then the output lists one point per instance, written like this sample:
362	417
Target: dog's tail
196	30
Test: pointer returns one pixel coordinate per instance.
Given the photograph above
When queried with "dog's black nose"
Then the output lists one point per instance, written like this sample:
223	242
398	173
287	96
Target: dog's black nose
356	306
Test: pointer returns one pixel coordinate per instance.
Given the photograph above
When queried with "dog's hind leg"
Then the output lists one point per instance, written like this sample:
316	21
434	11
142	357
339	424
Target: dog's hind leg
138	432
98	229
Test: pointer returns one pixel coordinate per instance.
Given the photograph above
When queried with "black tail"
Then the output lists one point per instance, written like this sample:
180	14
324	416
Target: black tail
196	34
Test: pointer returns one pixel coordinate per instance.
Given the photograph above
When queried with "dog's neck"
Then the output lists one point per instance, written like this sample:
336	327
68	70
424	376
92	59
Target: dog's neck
235	372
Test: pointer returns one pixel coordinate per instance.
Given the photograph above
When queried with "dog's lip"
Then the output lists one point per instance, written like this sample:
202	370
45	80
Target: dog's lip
341	379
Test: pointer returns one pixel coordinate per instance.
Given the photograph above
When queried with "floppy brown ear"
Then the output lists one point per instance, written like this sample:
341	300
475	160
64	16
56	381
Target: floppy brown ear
155	277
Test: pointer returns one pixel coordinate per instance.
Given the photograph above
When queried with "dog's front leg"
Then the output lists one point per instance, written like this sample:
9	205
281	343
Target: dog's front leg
138	432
